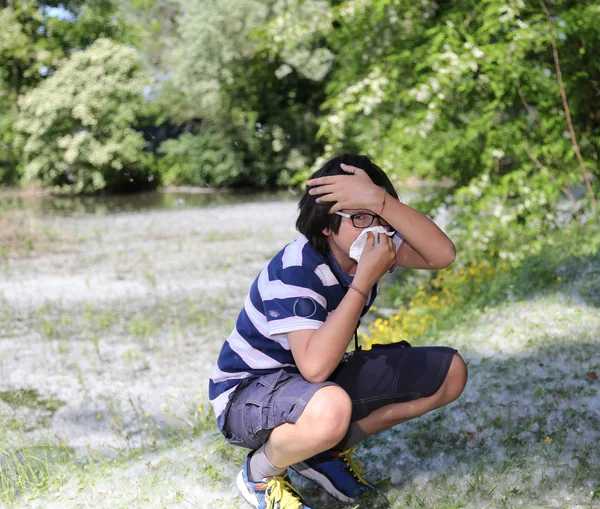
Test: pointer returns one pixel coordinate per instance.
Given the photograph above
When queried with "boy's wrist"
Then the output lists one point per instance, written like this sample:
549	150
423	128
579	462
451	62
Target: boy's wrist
364	295
377	199
362	285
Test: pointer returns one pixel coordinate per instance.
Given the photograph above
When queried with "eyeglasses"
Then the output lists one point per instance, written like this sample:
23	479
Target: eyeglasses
364	220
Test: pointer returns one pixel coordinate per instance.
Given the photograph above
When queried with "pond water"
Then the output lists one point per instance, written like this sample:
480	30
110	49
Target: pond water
182	199
140	202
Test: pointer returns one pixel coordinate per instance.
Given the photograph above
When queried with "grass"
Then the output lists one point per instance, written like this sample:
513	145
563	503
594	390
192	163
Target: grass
34	460
22	234
523	435
34	456
185	316
28	469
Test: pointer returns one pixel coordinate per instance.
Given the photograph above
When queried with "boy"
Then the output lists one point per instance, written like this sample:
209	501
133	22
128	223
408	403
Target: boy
283	385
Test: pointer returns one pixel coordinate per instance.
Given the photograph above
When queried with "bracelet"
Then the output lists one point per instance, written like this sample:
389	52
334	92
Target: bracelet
384	197
363	294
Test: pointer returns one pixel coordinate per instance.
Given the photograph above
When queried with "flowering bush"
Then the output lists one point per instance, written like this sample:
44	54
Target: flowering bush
432	302
76	129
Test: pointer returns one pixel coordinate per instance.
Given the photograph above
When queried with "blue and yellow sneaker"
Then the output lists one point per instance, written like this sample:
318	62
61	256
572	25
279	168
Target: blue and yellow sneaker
272	493
339	473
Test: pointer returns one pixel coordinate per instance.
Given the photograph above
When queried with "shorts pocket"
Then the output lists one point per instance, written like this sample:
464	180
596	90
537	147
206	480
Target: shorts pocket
257	412
252	421
272	381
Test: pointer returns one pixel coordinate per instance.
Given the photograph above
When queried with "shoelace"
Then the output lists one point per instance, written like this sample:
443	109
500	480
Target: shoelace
280	491
354	465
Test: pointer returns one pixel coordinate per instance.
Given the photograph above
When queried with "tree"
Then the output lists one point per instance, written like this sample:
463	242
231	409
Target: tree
227	89
76	128
35	37
499	98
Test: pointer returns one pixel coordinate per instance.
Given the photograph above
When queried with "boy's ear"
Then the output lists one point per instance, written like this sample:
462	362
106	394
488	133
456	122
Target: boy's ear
326	231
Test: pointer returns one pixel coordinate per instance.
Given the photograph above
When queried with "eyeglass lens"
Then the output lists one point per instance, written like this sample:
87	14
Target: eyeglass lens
366	220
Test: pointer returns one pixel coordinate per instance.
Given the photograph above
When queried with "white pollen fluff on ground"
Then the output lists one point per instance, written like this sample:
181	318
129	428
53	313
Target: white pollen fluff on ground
108	339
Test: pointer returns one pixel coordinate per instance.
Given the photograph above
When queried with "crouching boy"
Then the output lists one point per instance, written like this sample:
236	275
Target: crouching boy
284	386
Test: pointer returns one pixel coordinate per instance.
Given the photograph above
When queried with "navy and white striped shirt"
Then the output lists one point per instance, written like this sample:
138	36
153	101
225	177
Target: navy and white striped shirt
296	290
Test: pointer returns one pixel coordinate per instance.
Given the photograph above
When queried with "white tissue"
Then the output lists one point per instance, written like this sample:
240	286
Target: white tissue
359	244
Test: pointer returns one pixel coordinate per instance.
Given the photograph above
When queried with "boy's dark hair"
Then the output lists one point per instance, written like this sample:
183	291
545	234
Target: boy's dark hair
314	217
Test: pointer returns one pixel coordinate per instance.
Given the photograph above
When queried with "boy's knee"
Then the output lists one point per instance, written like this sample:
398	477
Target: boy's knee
329	412
456	380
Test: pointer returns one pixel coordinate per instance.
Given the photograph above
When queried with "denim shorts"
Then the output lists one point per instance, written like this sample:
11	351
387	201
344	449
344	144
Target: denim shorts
385	374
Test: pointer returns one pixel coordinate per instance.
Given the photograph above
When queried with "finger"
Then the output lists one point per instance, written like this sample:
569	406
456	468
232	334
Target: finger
323	189
352	169
323	180
331	197
370	239
388	240
389	244
391	248
385	241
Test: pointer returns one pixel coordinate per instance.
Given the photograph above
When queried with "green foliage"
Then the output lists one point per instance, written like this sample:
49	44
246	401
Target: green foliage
76	127
200	159
236	100
468	92
459	89
21	54
35	37
9	173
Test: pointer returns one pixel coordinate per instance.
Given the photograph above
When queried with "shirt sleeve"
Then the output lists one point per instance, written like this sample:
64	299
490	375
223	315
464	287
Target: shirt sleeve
294	300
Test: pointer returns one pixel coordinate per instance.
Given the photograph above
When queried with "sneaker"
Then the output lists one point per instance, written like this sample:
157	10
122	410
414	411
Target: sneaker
272	493
336	472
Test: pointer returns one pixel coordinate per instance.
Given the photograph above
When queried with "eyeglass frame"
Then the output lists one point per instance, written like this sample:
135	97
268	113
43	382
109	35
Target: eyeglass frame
373	216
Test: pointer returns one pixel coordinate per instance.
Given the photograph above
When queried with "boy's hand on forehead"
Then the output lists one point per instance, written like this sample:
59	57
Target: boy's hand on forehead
353	191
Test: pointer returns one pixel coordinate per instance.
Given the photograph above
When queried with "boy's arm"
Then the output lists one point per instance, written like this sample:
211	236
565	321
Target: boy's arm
426	246
318	352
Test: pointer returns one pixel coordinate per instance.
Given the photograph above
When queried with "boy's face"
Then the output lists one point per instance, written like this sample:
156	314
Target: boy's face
340	242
